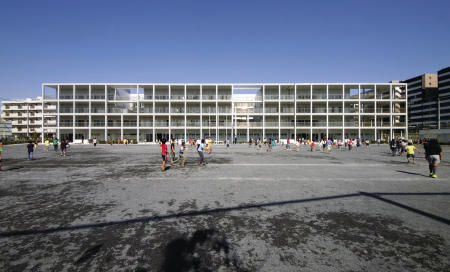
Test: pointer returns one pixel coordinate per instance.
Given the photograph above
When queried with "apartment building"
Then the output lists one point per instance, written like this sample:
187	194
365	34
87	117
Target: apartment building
146	112
444	98
26	117
422	102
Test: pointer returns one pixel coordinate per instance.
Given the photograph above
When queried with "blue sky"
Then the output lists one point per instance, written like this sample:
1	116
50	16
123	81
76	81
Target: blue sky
218	41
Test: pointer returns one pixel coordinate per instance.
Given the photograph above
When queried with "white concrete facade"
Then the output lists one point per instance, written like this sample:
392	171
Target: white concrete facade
25	115
146	112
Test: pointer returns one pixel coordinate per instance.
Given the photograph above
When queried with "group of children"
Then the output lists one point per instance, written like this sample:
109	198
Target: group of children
200	144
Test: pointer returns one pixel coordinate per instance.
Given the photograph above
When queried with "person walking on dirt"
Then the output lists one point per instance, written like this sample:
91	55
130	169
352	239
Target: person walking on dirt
163	154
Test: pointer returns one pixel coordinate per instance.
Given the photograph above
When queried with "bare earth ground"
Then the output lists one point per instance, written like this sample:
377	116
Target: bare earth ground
112	209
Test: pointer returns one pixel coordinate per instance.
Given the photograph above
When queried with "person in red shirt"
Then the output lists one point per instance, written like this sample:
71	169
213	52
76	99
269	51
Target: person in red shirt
163	154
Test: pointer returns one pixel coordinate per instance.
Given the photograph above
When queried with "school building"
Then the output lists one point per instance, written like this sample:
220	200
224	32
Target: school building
146	112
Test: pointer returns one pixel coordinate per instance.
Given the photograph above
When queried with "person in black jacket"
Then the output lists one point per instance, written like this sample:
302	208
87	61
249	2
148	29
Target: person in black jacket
433	153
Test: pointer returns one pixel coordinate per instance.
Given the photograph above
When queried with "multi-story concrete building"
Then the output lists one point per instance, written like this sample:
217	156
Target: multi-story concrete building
444	98
147	112
422	102
25	116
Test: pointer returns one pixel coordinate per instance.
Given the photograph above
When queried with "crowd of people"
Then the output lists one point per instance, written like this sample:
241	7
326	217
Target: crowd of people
397	147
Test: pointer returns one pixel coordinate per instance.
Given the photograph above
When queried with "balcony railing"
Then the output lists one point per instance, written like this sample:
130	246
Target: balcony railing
383	110
286	124
319	110
146	110
334	124
383	124
145	124
334	110
81	97
115	110
224	110
347	110
241	124
161	97
161	110
225	124
368	124
177	97
177	123
192	110
351	124
66	124
129	123
271	110
177	110
319	96
148	97
271	97
399	124
97	110
287	110
209	124
82	124
65	97
271	124
208	97
98	123
193	97
334	96
303	123
255	124
303	110
224	97
162	123
97	97
303	96
82	110
208	110
319	124
114	124
367	110
192	123
65	110
287	97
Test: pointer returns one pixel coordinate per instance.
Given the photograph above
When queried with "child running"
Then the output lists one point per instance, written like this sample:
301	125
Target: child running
200	149
47	144
163	154
410	149
181	156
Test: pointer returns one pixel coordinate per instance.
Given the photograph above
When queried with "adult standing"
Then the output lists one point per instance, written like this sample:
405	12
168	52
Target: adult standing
433	153
30	150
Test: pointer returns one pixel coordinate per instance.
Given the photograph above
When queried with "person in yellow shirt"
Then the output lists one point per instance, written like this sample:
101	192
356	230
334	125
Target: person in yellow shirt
410	152
210	142
47	143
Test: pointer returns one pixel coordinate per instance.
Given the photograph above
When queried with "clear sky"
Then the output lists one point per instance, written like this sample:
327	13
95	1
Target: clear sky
218	41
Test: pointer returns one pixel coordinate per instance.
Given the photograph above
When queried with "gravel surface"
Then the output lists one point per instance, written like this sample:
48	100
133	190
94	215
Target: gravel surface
112	209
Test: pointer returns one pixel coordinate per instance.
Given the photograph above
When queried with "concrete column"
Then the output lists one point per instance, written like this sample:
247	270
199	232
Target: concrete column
185	113
42	125
137	114
90	111
57	112
73	113
264	112
106	112
153	98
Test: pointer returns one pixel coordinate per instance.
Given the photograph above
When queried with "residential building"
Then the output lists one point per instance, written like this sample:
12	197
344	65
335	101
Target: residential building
26	117
444	98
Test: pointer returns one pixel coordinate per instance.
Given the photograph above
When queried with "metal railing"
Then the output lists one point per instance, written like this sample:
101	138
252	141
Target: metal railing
114	124
287	110
192	110
146	110
177	97
97	97
224	97
271	124
334	124
145	124
129	123
286	124
193	97
271	110
97	110
303	123
65	110
271	97
98	123
351	124
66	124
161	97
303	96
255	124
82	124
65	97
82	97
334	110
287	97
208	97
319	110
192	123
177	123
368	124
225	124
161	110
334	96
177	110
82	110
319	124
319	96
